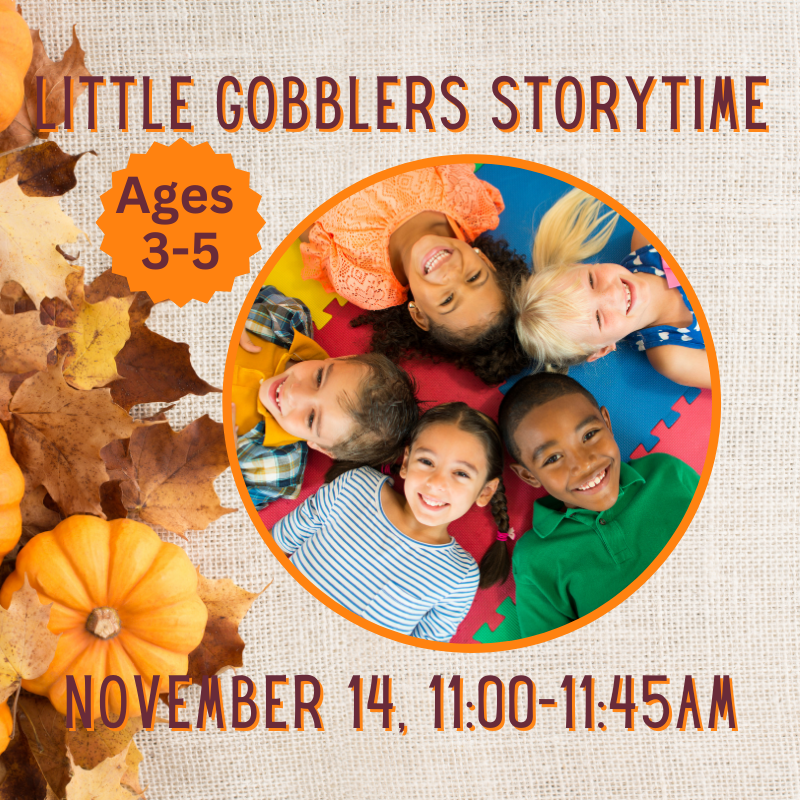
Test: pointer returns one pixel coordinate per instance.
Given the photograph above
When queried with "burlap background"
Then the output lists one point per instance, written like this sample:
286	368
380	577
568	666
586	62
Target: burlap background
725	204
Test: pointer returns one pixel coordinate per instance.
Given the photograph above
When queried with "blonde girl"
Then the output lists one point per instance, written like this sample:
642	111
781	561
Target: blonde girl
570	312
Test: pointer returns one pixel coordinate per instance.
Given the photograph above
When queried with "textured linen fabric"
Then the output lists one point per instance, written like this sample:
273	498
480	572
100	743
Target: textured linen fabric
725	204
341	539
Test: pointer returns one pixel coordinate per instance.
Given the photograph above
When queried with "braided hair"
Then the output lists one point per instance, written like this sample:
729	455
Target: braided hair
495	565
494	355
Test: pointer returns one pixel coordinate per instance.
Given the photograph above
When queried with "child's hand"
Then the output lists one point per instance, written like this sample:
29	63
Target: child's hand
235	426
246	344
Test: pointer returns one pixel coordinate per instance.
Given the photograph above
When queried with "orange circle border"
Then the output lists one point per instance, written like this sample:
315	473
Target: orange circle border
514	644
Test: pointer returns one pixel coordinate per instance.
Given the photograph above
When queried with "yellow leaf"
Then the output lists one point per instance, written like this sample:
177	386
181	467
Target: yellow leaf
101	330
30	230
90	748
26	645
100	783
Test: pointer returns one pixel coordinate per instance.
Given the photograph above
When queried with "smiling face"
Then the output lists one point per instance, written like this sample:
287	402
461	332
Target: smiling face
306	400
454	286
445	474
567	448
613	303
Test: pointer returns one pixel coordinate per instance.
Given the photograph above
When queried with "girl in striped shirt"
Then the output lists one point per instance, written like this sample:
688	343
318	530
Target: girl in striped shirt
388	556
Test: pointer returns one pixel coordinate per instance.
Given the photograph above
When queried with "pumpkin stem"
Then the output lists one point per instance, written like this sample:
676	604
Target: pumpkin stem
104	623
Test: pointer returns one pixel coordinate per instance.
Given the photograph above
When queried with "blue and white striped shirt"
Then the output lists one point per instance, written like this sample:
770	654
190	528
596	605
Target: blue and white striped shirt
342	540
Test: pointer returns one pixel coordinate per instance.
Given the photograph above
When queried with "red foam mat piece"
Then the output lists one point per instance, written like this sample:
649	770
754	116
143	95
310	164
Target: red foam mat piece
688	438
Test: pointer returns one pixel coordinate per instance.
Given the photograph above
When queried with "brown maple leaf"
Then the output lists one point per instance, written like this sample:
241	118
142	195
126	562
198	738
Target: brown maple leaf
172	484
23	129
9	383
25	342
22	779
30	229
36	516
46	730
154	369
44	170
221	647
58	433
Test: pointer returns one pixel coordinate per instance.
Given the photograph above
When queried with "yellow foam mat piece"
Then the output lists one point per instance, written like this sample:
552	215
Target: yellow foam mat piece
285	276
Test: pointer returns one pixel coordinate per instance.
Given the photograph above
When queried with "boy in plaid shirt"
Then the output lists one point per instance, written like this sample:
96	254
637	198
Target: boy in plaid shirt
288	396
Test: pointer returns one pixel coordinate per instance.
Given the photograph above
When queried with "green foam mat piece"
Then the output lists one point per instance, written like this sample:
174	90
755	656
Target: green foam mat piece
506	631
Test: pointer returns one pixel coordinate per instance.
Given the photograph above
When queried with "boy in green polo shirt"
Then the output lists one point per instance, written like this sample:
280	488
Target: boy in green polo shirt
604	521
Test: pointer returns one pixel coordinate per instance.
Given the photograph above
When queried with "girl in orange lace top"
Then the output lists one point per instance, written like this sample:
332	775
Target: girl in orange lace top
410	238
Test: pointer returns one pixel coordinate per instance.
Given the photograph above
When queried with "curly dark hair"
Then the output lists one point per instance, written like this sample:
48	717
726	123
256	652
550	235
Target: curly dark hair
385	409
494	356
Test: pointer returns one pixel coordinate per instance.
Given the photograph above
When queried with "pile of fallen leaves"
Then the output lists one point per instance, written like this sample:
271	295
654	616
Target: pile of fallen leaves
75	359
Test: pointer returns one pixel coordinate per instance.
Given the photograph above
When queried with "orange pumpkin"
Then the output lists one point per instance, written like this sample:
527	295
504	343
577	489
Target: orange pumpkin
125	603
16	51
12	487
6	726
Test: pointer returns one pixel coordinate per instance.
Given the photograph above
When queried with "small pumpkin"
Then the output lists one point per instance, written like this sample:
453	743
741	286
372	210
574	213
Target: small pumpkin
124	602
16	51
12	487
6	726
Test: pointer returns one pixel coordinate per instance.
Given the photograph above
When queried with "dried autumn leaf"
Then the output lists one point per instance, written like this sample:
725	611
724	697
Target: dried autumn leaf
22	779
96	333
90	748
154	369
5	394
9	383
71	63
109	284
111	501
173	474
25	342
23	129
46	730
30	229
36	516
221	647
44	170
13	299
58	433
26	645
117	461
100	783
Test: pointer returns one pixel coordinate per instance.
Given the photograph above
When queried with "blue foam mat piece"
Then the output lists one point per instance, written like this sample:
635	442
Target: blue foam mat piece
637	396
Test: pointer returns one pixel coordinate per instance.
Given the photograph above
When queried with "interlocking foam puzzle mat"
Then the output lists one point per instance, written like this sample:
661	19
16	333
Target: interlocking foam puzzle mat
649	413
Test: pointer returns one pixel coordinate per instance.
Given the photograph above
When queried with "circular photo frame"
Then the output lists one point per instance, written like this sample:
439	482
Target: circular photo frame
401	519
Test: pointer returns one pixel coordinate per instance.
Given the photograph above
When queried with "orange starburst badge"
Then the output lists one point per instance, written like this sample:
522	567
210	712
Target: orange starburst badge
180	222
